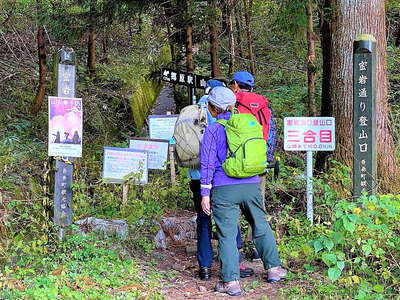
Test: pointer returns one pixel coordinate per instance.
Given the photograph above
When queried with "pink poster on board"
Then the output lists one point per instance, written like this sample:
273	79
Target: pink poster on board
65	127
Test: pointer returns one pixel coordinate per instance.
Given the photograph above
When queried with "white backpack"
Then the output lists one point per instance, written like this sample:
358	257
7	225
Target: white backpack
188	134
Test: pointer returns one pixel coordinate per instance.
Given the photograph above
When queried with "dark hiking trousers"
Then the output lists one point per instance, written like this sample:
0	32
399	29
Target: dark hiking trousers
204	247
227	202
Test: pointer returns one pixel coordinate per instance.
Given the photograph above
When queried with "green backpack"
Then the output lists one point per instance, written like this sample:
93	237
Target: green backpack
247	149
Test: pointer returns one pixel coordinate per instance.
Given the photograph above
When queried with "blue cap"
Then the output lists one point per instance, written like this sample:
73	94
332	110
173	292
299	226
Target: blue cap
244	77
221	97
212	83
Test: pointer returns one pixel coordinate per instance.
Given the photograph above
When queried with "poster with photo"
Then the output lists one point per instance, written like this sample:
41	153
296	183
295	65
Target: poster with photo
65	127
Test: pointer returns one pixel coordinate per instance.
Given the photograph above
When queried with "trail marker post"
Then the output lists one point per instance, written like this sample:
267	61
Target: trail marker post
309	134
64	165
364	115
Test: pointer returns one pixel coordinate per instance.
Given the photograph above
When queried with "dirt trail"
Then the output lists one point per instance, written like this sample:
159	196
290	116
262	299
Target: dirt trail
181	281
165	101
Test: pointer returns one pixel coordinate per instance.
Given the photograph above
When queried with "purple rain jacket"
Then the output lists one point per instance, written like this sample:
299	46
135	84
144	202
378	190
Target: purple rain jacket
212	155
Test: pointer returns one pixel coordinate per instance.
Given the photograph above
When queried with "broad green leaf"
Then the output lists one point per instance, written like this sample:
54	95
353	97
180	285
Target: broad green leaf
340	265
367	249
339	213
318	245
349	226
329	259
357	260
378	288
334	273
328	244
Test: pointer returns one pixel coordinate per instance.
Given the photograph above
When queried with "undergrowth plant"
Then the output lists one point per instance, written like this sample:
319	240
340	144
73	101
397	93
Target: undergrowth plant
82	267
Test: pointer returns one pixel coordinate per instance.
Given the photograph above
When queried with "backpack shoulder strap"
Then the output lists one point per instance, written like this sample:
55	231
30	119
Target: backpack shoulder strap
222	122
203	114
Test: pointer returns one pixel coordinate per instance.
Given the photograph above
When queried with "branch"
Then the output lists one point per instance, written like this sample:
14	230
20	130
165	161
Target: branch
8	77
267	64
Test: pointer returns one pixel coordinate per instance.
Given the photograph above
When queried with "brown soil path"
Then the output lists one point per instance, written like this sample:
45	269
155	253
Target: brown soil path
181	281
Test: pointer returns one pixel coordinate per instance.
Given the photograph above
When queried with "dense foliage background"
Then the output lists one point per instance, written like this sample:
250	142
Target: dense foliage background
352	251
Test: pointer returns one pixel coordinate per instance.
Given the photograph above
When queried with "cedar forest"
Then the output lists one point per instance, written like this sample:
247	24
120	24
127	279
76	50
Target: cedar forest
301	53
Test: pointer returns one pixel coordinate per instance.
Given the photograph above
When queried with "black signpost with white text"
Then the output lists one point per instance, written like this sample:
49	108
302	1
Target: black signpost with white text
64	165
192	81
364	120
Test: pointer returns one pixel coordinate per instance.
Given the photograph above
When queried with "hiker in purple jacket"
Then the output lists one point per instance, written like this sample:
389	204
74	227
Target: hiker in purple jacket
203	230
229	196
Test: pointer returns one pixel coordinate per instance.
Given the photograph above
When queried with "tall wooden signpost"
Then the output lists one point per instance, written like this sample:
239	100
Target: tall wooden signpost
64	165
364	112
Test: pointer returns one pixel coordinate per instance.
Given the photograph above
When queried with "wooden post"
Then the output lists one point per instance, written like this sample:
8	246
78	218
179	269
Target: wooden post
364	121
172	160
125	192
64	166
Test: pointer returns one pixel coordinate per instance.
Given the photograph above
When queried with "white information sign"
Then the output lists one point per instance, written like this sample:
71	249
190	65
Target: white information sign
119	162
309	134
157	150
162	126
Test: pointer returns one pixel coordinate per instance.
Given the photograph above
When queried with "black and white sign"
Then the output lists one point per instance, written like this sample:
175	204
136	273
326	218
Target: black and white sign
184	78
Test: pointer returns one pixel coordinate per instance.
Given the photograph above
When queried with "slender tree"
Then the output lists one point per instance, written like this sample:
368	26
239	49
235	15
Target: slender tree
248	7
187	20
325	19
41	45
189	48
228	11
214	40
239	25
91	57
311	67
351	18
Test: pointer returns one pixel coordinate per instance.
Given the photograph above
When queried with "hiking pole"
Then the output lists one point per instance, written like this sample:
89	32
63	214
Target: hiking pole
276	166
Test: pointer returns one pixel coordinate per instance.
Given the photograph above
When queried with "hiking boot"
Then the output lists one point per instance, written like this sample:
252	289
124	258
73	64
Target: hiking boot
276	274
205	273
255	256
232	288
245	272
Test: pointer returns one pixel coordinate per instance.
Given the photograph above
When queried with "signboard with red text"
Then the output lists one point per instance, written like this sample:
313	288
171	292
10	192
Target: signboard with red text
309	134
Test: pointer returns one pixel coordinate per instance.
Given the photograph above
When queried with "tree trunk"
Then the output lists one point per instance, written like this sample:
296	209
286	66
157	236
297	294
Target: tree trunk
354	17
41	44
189	48
214	41
397	36
311	67
171	46
41	91
91	59
326	46
231	38
248	6
239	25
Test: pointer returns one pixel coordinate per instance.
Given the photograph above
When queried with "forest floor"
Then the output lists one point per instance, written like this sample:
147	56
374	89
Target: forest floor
178	265
183	282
